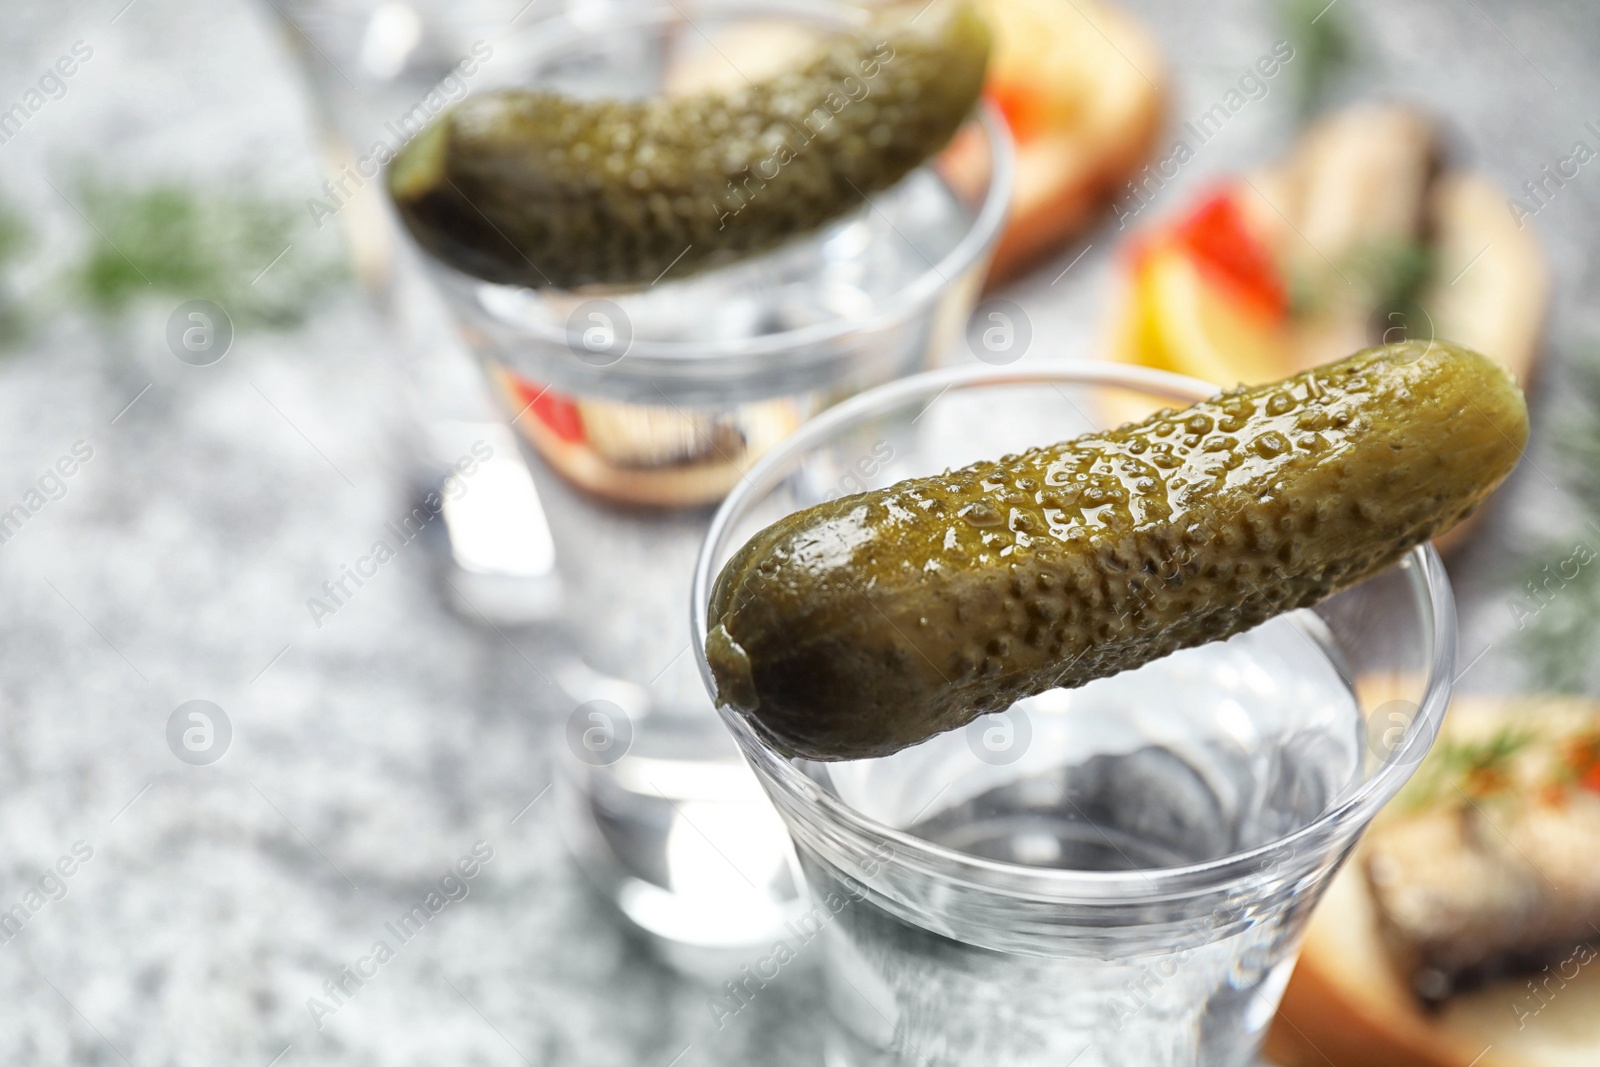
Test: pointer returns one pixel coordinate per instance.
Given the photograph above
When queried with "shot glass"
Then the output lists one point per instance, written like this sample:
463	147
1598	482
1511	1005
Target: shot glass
1112	875
643	406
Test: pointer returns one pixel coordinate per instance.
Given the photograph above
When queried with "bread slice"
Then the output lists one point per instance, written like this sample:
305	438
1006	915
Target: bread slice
1491	284
651	455
1347	1006
1089	74
1359	182
1366	177
1072	167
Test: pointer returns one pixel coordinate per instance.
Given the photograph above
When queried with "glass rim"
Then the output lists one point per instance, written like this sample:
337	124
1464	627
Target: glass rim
776	772
981	236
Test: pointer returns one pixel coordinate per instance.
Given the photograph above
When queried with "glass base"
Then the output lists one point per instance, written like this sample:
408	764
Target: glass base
1116	875
679	835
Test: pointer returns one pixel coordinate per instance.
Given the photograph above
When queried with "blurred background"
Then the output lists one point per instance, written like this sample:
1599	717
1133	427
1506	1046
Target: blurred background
167	517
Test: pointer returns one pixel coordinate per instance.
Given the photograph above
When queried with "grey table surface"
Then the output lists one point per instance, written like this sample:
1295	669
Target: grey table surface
373	753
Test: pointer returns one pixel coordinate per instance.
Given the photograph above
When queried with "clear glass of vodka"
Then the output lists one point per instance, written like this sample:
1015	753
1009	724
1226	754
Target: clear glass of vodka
1113	875
640	407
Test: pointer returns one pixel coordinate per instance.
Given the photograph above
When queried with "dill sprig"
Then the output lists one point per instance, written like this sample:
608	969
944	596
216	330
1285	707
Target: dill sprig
1393	274
1325	50
1556	595
15	239
1388	276
1476	770
14	235
177	240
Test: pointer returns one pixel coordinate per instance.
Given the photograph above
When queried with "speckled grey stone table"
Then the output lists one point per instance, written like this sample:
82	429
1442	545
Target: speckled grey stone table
209	908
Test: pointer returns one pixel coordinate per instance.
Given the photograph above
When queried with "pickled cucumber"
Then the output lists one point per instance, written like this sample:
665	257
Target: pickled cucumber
533	188
872	622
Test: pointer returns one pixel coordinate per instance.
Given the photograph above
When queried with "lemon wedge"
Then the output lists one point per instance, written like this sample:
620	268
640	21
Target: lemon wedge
1179	320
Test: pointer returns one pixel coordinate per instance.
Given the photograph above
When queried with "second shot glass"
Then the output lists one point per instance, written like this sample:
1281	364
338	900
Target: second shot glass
644	406
1117	875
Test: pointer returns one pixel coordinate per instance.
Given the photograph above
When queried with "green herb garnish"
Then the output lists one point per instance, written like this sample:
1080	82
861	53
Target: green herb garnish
1394	273
1325	49
15	238
1555	599
249	254
1475	770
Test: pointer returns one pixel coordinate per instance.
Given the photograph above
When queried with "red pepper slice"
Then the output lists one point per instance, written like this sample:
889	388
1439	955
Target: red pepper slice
1218	236
1024	107
558	413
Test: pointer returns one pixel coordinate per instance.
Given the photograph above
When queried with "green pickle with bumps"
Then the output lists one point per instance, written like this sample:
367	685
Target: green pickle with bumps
533	188
866	624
